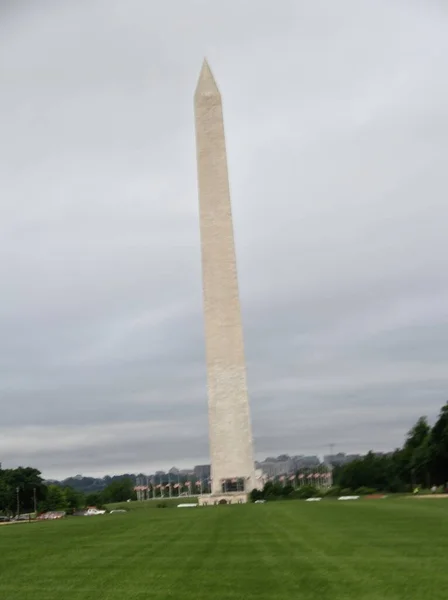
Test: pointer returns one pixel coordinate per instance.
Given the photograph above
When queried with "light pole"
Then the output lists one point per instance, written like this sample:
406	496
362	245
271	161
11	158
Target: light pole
18	500
35	501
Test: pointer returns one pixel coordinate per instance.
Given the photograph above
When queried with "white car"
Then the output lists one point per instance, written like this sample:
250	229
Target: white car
94	511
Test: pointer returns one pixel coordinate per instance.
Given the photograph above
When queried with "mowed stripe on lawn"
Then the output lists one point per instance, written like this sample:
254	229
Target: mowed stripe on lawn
387	549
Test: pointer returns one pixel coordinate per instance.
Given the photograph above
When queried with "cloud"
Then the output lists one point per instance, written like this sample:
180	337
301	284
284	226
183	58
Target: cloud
336	133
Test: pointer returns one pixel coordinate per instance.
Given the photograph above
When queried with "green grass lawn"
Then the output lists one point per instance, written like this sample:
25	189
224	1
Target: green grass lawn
368	549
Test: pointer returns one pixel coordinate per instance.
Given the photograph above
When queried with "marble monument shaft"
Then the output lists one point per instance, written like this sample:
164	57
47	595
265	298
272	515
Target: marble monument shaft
228	405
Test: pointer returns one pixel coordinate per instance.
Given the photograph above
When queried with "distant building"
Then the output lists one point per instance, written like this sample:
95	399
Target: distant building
276	468
287	465
306	462
186	472
202	472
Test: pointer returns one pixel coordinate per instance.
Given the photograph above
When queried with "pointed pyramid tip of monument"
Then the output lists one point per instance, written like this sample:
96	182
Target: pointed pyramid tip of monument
206	82
206	72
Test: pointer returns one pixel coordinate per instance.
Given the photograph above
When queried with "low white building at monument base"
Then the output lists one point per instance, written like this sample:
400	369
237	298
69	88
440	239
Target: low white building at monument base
217	499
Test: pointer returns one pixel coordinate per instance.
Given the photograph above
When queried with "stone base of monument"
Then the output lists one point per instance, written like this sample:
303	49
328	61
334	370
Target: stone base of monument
225	498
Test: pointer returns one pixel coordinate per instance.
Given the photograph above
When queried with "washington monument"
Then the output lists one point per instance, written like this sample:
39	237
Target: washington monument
230	431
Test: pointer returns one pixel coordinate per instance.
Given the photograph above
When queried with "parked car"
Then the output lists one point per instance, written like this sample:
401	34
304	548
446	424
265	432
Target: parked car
4	519
94	511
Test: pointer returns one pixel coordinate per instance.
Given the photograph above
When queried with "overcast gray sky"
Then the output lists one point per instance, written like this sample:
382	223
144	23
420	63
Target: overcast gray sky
336	117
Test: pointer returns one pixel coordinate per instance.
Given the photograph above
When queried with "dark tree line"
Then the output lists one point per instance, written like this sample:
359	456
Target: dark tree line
23	490
421	462
20	489
90	485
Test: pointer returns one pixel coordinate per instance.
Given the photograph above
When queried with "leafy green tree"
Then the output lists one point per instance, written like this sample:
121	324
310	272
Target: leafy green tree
5	496
287	490
371	471
73	499
272	490
439	448
416	453
29	483
54	500
119	490
304	492
94	499
256	495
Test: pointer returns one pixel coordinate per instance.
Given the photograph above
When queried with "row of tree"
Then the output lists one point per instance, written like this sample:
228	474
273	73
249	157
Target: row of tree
422	462
23	490
89	485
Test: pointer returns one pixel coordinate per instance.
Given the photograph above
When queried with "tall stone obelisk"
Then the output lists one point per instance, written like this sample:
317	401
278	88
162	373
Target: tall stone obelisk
230	433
